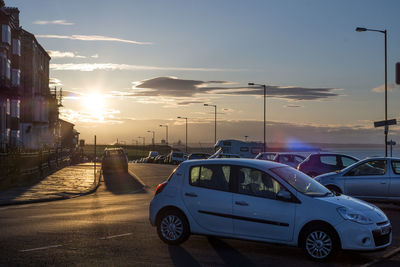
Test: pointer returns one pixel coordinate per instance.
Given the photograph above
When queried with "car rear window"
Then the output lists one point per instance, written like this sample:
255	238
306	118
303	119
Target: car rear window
396	167
177	154
210	176
329	160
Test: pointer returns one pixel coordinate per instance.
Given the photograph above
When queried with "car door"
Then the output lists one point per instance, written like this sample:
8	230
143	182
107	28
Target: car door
368	179
207	196
329	163
256	211
394	187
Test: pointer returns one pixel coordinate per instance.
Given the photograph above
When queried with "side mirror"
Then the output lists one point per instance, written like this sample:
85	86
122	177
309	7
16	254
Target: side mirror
284	195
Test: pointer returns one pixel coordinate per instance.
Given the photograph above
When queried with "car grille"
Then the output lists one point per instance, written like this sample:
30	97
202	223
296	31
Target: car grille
380	239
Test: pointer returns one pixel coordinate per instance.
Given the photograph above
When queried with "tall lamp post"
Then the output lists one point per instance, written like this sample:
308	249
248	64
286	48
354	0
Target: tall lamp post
144	143
166	132
265	107
359	29
186	149
153	139
215	121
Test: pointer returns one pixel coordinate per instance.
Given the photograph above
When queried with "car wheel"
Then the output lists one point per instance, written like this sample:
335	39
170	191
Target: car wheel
334	189
319	243
173	228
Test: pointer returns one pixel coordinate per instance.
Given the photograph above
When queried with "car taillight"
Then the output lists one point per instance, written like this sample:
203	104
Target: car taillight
160	188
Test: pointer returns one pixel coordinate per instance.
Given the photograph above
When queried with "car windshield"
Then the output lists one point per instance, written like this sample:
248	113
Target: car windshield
301	182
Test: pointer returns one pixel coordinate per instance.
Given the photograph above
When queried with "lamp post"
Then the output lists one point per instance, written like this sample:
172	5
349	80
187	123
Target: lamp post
265	107
144	143
215	121
186	149
360	29
166	132
153	139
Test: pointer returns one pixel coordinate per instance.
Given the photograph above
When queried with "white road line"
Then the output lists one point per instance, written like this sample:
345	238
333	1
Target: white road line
114	236
138	178
41	248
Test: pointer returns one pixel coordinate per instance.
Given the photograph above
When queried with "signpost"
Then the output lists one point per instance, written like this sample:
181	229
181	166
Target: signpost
391	143
386	124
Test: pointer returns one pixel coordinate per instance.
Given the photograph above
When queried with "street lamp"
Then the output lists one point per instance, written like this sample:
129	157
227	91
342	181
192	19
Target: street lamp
186	149
166	135
265	106
152	140
360	29
215	121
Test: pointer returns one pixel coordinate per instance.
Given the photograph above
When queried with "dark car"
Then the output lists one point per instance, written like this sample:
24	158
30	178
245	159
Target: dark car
114	159
266	156
199	156
320	163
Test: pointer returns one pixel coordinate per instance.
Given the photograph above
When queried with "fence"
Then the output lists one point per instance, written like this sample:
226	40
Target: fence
17	163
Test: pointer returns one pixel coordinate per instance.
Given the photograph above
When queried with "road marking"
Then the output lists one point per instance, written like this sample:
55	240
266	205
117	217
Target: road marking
114	236
384	257
138	178
41	248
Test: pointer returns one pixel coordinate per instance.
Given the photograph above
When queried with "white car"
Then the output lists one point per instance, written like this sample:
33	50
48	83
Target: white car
264	201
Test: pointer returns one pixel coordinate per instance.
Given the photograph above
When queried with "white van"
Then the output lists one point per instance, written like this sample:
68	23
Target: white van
242	148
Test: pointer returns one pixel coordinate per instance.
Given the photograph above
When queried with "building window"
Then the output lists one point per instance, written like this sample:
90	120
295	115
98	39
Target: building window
15	108
6	34
15	77
16	47
8	69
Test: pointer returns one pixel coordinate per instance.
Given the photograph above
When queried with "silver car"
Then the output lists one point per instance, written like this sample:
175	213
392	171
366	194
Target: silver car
376	178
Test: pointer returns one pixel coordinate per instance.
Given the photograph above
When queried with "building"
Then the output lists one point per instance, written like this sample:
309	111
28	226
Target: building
69	136
10	78
37	127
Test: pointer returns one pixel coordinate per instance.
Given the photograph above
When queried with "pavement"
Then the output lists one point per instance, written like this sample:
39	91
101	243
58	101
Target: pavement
68	182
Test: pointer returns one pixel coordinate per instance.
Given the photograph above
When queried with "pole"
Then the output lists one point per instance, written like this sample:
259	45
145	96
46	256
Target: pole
166	128
215	125
386	130
265	100
186	136
94	159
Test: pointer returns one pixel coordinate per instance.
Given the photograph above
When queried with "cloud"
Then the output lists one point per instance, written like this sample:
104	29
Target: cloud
293	106
56	22
108	117
54	82
95	56
91	38
60	54
174	87
112	66
381	89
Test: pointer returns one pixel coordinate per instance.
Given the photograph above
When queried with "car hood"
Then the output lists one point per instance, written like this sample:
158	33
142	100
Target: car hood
351	203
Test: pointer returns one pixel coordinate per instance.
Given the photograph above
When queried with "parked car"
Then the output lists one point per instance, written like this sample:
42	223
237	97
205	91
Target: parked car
293	160
114	159
175	157
198	155
320	163
159	159
266	155
264	201
375	179
152	155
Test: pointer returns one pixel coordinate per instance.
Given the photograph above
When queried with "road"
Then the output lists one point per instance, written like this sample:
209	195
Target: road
111	227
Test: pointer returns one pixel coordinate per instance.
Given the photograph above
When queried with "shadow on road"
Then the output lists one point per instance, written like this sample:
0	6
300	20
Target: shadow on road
228	254
181	257
122	183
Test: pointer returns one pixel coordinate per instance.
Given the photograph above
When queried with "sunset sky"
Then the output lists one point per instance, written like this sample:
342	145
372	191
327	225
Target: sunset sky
127	66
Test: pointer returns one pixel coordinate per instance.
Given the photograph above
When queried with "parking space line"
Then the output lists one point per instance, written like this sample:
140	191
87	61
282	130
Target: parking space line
114	236
40	248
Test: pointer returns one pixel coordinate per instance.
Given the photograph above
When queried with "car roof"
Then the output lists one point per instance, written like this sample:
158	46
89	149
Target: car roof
330	154
380	158
113	148
255	163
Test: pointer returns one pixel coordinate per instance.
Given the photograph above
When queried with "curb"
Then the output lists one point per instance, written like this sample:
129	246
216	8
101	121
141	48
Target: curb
144	186
63	195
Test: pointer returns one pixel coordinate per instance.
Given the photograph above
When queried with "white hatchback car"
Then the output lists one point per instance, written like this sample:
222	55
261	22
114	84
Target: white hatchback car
264	201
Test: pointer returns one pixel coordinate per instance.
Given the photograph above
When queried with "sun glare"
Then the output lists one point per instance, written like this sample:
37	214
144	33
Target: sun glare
94	102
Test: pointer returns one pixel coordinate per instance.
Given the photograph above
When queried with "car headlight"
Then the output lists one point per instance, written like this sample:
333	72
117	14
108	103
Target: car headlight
353	216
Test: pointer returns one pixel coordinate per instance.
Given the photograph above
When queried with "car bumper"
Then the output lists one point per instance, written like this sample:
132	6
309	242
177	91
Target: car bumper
371	237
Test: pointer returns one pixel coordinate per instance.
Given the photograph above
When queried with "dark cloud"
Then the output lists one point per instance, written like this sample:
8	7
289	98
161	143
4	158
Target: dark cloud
182	103
174	87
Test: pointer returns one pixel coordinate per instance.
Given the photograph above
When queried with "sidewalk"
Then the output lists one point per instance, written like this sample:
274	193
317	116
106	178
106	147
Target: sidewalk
68	182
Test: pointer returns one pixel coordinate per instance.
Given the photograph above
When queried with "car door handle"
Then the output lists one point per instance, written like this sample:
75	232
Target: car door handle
241	203
190	195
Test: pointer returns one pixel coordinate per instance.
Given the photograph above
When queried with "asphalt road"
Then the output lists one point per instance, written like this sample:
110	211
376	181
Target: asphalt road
111	227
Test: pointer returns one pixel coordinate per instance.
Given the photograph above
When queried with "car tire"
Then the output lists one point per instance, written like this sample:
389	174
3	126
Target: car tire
319	243
336	190
173	227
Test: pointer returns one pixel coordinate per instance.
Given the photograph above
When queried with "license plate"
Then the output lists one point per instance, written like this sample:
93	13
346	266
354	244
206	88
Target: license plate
386	230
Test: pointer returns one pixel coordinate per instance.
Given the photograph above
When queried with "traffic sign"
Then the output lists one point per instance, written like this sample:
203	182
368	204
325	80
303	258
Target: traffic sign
385	123
391	143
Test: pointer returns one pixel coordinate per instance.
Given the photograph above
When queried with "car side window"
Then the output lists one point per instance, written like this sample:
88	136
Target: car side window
257	183
369	168
346	161
329	160
396	167
210	176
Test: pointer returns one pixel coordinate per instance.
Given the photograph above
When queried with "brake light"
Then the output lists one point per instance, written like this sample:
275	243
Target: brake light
160	188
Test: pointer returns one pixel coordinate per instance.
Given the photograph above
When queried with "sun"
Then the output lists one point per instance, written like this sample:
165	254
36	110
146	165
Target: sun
94	102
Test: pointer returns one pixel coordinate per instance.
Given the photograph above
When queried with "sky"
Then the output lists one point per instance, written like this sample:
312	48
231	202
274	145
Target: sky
127	66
